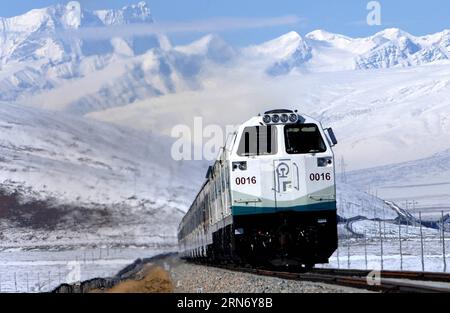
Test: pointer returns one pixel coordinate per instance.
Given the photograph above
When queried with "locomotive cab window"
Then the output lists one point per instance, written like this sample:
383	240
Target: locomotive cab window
258	140
302	139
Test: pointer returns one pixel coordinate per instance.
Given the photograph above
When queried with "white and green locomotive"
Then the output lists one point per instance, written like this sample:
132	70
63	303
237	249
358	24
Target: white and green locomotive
269	198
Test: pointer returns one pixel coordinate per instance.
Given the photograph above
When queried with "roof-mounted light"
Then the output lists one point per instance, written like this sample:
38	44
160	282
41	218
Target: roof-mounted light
293	118
280	117
275	118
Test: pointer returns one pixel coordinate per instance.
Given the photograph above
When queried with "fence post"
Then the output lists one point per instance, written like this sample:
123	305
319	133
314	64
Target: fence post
15	281
381	244
443	242
28	284
365	249
400	242
421	241
0	282
348	252
39	282
337	254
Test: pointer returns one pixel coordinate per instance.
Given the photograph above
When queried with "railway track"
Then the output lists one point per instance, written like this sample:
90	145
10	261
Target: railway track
381	281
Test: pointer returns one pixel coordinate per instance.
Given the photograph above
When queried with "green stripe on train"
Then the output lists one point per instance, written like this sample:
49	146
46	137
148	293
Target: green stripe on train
249	210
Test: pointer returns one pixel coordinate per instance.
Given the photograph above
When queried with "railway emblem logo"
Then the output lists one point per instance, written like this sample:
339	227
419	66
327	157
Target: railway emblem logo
282	176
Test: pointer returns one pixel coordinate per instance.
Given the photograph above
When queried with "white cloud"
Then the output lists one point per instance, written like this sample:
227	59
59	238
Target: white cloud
199	26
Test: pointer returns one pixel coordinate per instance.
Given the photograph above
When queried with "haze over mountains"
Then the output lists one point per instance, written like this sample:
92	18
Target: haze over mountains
86	121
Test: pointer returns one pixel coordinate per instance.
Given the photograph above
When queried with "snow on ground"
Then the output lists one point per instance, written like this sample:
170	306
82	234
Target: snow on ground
390	230
352	203
353	251
67	179
42	271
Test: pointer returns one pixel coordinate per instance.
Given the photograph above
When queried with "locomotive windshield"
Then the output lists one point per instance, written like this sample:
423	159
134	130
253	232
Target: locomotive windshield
302	139
258	140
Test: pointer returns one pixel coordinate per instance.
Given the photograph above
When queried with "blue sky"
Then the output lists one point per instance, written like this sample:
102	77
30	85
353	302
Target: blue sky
346	17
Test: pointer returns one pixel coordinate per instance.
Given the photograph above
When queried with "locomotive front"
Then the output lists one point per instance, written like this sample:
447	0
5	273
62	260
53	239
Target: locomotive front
282	185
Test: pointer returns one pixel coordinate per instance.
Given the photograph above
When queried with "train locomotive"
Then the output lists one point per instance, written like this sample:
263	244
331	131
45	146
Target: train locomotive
269	198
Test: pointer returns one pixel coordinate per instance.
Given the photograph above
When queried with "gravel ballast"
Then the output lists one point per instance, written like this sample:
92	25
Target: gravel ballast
190	278
168	273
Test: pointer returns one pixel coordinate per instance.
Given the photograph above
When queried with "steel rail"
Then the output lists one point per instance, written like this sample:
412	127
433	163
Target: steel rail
389	281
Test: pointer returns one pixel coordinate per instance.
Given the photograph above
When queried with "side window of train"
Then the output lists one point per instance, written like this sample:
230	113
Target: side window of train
303	139
258	140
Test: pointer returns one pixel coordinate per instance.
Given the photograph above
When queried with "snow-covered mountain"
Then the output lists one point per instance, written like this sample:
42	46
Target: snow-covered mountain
380	116
36	55
42	59
398	48
284	53
66	180
324	51
424	183
38	34
41	63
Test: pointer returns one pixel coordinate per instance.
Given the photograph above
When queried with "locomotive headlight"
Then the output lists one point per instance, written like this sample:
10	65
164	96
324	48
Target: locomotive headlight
275	118
293	118
240	165
284	118
324	162
266	119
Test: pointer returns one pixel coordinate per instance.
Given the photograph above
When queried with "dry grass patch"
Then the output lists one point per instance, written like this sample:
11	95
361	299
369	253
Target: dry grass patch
155	280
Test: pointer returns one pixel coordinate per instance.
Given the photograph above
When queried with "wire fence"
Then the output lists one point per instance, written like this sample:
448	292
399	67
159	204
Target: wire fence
64	267
412	244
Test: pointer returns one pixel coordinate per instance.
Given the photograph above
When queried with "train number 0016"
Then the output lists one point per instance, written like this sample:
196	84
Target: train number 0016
319	176
246	180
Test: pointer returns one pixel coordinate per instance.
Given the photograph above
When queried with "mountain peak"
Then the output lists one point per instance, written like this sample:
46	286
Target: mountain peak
288	41
211	45
279	47
323	35
392	33
72	15
134	13
292	35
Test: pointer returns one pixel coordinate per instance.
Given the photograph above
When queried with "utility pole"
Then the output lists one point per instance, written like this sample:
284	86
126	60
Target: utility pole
421	241
400	243
381	244
365	248
337	254
348	252
443	242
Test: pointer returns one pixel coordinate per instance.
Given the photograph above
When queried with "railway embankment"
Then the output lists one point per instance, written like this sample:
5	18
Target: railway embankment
167	273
